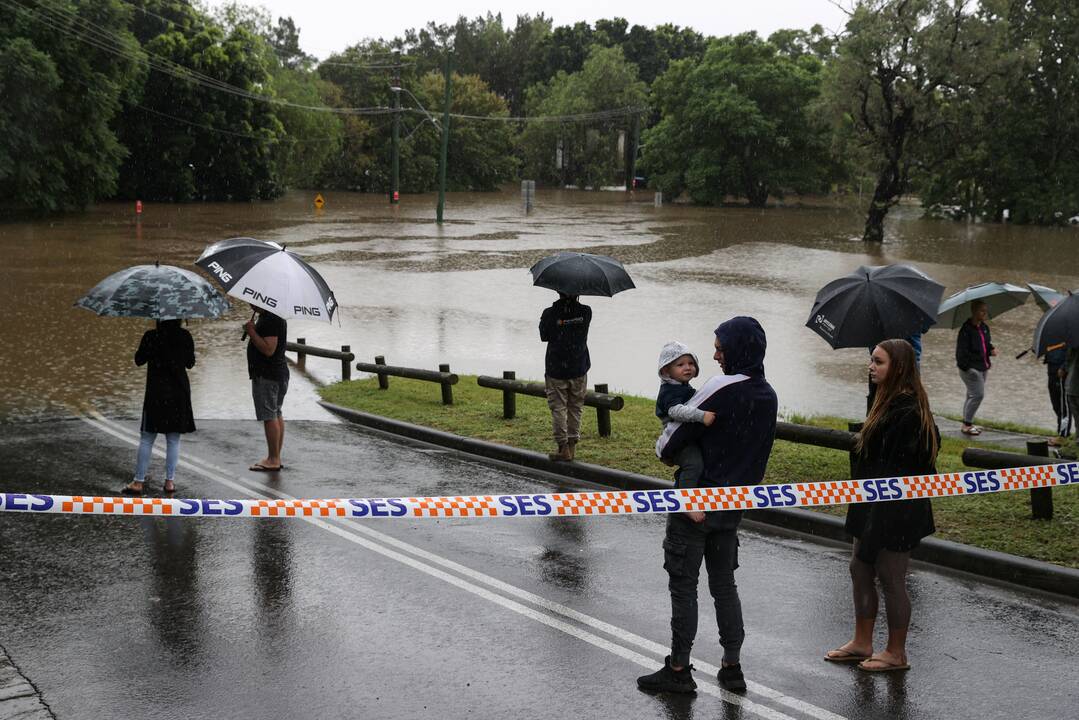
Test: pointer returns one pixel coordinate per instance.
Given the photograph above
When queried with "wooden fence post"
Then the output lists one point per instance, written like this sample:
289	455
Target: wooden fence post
1041	499
301	356
346	364
383	380
447	389
603	415
509	398
854	427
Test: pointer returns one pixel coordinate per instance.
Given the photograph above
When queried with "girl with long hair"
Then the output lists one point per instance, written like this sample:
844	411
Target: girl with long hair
899	438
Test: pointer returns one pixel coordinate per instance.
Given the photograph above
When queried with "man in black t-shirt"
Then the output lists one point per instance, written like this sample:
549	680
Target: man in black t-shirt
268	370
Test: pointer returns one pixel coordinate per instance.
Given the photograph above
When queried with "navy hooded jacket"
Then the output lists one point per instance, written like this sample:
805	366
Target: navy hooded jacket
735	448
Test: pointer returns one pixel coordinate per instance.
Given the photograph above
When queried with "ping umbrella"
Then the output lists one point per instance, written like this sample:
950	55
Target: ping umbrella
268	276
875	303
1046	297
1059	325
999	297
576	273
161	292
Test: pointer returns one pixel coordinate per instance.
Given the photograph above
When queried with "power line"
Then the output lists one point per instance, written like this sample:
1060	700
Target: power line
96	36
277	51
232	133
579	117
102	39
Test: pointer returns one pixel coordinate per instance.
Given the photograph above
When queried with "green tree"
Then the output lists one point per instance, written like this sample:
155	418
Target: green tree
480	151
60	95
205	126
588	149
1022	153
903	71
738	123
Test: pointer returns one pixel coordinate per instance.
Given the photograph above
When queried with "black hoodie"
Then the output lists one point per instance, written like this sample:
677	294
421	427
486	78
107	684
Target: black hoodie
735	448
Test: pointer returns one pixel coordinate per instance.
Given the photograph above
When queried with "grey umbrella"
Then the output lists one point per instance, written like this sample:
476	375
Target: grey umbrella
1060	324
161	292
875	303
1046	297
576	273
999	297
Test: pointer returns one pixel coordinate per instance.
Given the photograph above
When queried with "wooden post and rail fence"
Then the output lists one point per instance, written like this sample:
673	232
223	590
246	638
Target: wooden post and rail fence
302	350
1041	499
510	386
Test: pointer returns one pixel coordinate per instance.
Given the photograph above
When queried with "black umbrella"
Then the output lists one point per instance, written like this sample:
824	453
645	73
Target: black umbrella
1060	324
875	303
574	273
162	292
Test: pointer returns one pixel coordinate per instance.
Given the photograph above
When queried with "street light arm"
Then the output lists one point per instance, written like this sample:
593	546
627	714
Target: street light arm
419	105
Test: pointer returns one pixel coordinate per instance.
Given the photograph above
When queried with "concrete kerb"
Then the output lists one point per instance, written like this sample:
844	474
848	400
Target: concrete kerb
970	560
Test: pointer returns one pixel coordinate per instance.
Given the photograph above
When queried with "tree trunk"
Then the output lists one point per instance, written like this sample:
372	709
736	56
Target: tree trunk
885	195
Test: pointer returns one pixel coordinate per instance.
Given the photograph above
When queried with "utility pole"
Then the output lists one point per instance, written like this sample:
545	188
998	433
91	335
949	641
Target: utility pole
631	157
395	186
445	139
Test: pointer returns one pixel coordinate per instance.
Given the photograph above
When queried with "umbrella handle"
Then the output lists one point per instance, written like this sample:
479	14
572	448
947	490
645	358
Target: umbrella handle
244	335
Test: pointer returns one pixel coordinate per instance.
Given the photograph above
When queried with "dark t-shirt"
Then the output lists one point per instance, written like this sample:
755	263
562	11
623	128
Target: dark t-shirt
564	327
273	367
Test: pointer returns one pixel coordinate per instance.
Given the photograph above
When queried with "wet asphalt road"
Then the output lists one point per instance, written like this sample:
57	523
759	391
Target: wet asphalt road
534	618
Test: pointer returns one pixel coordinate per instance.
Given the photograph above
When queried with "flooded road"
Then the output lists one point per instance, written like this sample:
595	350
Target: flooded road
421	294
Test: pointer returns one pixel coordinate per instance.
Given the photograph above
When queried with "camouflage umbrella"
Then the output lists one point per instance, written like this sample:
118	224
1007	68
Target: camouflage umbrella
161	292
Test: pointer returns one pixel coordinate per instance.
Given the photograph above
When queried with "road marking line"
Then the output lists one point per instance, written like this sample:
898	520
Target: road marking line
225	477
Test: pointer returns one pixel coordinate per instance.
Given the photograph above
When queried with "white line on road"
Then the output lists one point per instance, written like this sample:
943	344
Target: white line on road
377	542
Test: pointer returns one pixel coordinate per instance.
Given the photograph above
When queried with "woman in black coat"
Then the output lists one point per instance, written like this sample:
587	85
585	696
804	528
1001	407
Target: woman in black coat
168	352
899	438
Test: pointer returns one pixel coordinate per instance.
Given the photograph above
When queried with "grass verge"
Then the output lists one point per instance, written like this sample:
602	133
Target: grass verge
999	521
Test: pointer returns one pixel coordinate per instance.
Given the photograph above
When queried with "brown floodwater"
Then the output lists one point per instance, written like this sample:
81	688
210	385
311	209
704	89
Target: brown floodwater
422	294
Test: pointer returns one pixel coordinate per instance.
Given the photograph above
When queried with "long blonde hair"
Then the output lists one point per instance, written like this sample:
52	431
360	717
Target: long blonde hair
903	378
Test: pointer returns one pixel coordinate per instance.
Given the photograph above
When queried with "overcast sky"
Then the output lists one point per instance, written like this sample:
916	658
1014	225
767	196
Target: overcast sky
328	26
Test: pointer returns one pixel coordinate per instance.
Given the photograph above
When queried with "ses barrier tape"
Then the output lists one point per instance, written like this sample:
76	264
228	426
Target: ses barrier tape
619	502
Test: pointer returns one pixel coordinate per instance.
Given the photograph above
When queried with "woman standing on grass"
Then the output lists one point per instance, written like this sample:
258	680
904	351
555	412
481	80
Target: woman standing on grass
899	438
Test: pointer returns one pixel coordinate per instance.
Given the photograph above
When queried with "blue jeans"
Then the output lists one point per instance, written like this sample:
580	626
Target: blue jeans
146	446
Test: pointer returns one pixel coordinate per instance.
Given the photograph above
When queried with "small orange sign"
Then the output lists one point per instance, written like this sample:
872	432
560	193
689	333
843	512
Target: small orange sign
319	202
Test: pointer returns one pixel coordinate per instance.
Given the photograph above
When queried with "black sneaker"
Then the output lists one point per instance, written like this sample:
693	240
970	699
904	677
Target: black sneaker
666	679
731	678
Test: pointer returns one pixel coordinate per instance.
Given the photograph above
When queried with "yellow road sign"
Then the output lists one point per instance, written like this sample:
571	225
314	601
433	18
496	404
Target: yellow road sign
319	202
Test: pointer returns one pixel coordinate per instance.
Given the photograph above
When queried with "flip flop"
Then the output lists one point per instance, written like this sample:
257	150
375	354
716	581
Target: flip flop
128	490
884	666
166	489
844	656
259	467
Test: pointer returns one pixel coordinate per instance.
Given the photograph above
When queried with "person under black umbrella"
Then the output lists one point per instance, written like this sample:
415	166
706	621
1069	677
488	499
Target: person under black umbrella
876	303
564	327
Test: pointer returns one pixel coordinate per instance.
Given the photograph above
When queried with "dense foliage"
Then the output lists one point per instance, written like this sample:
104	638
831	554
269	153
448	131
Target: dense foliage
972	104
737	123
